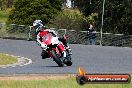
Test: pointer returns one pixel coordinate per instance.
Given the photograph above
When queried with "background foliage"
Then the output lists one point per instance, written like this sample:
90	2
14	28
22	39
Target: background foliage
117	17
4	4
25	11
118	14
67	19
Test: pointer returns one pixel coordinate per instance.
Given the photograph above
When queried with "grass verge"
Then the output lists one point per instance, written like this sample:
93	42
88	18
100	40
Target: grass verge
4	15
69	82
6	59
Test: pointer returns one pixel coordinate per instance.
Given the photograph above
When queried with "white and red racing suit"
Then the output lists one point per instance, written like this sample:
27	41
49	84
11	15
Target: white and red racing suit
43	33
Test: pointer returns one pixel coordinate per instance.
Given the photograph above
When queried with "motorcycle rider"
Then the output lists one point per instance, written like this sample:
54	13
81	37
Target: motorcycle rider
41	31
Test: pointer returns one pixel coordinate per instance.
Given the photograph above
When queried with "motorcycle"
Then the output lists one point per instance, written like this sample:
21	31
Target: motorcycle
56	50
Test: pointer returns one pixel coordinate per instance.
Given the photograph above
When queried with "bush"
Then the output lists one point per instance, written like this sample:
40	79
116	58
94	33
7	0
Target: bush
25	11
72	19
68	19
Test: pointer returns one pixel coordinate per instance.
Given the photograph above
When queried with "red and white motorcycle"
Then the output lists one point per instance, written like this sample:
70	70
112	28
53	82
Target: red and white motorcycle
56	50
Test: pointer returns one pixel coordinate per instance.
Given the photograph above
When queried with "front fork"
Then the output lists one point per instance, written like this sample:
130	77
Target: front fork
66	58
62	49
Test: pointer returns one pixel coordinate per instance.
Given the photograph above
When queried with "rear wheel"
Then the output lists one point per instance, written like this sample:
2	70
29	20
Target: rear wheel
56	59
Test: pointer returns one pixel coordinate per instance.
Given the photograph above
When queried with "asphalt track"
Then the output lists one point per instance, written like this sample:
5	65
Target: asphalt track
94	59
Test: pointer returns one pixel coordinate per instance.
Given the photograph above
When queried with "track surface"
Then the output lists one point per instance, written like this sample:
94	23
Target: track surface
94	59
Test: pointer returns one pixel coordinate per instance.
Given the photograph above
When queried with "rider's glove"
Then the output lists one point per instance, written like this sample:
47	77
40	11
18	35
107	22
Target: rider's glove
43	46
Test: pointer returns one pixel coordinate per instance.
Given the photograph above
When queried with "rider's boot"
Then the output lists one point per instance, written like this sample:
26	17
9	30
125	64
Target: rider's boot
64	58
44	54
69	50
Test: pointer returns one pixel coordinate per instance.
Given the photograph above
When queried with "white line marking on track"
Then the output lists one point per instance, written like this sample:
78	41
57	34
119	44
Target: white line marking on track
21	61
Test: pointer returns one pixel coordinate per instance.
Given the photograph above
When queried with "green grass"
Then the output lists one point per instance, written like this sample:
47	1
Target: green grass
66	83
3	32
4	15
6	59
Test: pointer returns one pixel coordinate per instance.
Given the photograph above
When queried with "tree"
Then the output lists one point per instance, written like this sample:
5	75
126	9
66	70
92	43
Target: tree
5	4
67	19
117	17
2	4
64	3
9	3
85	6
25	11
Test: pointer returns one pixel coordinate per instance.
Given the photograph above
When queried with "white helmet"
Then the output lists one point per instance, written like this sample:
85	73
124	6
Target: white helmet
37	24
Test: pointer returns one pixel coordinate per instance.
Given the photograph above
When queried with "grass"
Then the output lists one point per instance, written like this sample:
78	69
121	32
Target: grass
65	83
6	59
3	32
4	15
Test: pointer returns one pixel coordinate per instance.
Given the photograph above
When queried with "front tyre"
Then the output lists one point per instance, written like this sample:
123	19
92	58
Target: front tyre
56	59
68	60
69	63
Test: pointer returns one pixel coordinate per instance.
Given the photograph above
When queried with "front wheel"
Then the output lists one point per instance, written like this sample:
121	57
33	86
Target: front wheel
56	59
68	60
69	63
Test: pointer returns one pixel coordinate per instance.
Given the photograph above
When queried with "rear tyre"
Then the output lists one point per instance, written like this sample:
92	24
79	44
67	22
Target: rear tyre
56	59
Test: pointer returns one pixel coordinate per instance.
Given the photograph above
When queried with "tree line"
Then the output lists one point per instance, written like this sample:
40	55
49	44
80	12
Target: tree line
5	4
117	15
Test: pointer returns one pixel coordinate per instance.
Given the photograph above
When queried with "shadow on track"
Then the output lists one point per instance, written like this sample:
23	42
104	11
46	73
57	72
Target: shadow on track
54	66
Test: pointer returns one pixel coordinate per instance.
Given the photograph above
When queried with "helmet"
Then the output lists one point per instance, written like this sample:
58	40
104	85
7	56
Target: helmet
37	24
